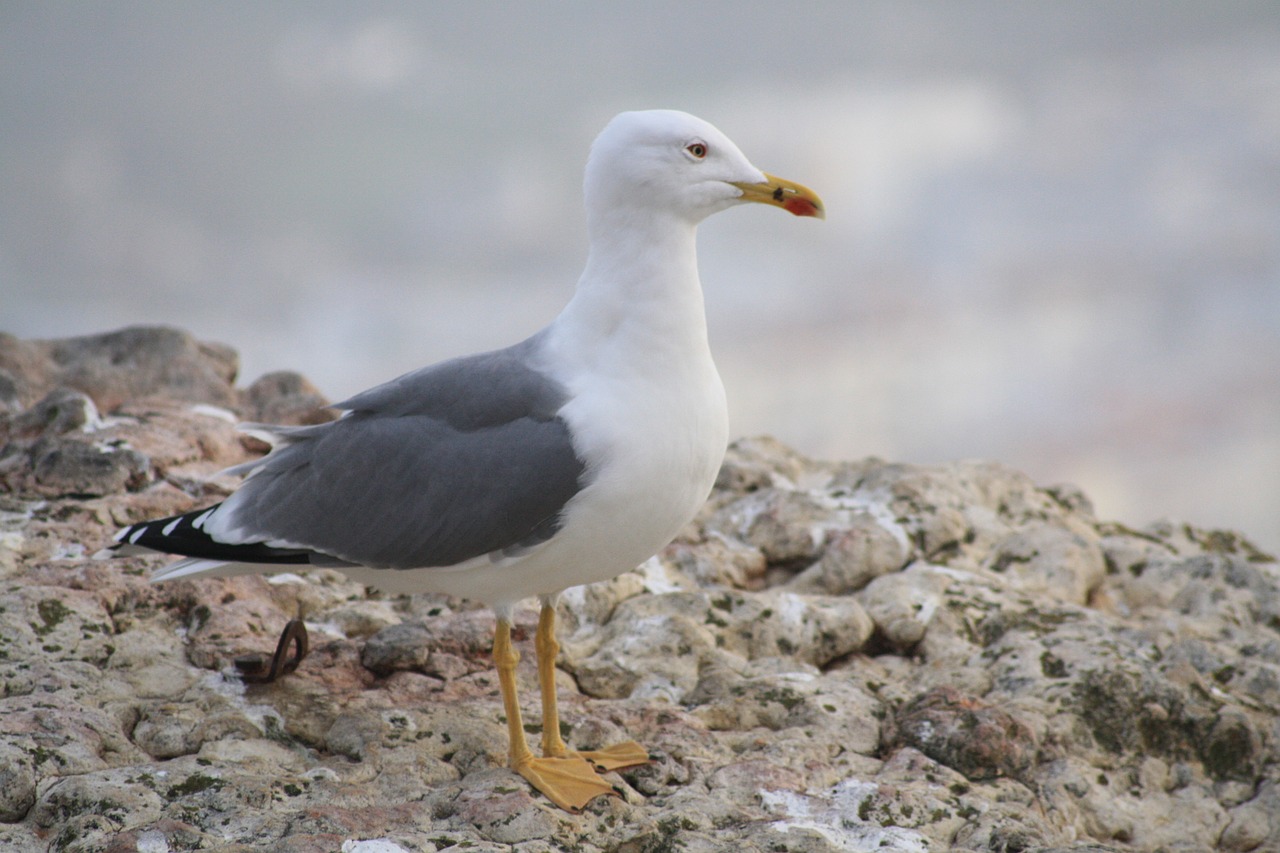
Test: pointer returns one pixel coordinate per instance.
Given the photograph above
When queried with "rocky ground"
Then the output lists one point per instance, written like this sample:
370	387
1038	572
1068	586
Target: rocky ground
834	656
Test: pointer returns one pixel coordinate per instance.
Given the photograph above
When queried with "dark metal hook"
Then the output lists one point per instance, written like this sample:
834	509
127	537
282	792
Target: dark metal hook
254	669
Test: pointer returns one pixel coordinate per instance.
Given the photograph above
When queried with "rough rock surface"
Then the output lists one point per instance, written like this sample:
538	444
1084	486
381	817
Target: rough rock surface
834	656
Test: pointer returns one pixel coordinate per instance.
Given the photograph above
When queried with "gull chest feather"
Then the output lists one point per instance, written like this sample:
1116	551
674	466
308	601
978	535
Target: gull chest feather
652	432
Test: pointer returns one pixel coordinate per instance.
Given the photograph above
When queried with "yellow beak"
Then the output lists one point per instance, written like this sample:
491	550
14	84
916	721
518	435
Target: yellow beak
791	197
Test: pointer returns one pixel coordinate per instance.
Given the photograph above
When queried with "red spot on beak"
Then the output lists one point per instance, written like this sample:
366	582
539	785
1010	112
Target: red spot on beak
800	206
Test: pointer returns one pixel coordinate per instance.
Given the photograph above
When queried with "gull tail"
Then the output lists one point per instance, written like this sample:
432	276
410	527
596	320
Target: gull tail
185	535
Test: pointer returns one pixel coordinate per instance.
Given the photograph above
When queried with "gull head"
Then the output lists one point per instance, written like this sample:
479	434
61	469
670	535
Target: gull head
669	162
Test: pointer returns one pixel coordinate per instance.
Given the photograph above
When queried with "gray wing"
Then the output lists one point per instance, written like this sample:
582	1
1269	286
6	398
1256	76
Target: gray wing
439	466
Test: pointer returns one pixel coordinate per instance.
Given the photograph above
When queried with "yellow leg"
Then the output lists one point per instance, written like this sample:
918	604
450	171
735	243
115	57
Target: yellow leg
629	754
569	782
547	648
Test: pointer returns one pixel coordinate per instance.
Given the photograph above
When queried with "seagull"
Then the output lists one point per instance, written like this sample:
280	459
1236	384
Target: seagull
565	459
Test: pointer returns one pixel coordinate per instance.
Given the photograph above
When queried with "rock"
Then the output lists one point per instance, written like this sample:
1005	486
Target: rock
285	397
720	562
966	734
781	523
157	445
843	655
50	624
450	645
653	647
397	647
854	556
75	468
760	462
506	816
17	783
814	629
1050	560
60	411
356	736
361	619
902	605
1255	824
171	729
95	806
120	366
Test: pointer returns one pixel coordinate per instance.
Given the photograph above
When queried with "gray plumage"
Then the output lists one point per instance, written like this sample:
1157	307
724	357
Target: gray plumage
473	445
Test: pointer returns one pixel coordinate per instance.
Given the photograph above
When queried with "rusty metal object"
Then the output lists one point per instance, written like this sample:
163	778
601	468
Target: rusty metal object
257	669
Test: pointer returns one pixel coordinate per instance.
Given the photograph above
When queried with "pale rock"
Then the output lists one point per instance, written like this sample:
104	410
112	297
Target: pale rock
314	595
506	813
361	619
719	560
760	462
832	656
149	660
54	624
581	610
17	782
356	735
777	623
1255	824
903	604
253	756
1044	559
798	699
169	730
853	557
98	802
653	643
781	523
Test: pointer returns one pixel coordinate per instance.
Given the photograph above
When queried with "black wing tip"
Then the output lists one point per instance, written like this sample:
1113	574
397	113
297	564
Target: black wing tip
184	536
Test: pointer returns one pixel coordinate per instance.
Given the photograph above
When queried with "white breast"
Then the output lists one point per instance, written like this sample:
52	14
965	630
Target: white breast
653	449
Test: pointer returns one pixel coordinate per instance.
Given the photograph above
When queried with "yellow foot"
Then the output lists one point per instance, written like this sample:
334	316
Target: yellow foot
570	783
618	756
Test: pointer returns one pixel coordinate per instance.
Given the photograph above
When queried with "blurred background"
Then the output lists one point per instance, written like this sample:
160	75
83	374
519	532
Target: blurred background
1053	234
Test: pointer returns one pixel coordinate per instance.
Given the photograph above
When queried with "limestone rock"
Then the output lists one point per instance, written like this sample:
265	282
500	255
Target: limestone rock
116	367
833	656
1051	560
853	556
284	397
17	783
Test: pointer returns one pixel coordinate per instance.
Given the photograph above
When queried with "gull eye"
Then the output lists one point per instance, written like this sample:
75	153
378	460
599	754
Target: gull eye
697	150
